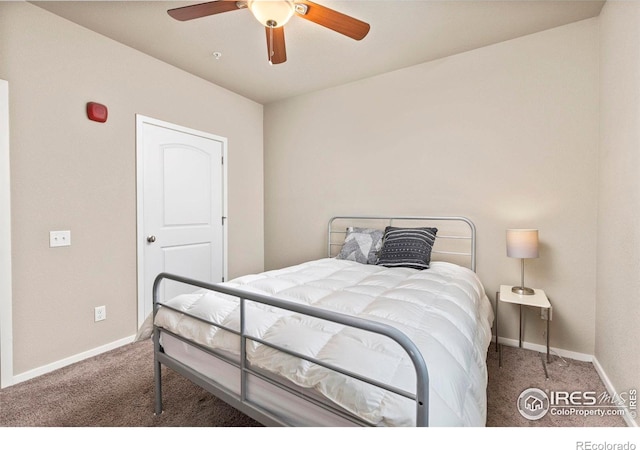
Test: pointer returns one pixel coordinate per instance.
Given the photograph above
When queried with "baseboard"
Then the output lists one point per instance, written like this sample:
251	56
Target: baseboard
68	361
631	422
543	349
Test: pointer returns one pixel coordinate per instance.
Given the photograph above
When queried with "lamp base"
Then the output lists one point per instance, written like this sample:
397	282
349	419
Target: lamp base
521	290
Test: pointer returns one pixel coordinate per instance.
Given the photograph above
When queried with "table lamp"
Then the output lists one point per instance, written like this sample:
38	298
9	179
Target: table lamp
523	244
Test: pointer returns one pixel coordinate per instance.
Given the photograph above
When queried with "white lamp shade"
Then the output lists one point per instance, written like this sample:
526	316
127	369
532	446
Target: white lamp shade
522	243
272	13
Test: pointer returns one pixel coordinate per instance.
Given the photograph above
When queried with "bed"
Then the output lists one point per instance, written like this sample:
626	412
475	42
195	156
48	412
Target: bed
343	340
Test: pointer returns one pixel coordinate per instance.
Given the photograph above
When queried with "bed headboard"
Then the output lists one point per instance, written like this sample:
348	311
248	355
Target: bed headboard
455	240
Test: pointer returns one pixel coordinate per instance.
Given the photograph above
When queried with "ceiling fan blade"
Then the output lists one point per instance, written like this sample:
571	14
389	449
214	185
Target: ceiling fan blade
334	20
203	9
276	50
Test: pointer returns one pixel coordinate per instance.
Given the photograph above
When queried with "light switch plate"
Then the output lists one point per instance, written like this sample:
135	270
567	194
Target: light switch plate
59	238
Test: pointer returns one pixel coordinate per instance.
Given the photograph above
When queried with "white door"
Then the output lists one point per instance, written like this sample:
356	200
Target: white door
182	207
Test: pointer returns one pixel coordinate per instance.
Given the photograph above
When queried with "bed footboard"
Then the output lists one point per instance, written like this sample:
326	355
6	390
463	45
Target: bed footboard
240	401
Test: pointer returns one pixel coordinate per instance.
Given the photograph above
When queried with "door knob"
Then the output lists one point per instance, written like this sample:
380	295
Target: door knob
151	239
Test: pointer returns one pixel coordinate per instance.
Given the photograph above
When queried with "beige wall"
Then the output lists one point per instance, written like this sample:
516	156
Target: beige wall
506	135
618	302
70	173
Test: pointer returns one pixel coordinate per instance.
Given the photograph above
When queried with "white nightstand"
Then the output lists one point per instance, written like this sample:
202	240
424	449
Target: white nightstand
538	300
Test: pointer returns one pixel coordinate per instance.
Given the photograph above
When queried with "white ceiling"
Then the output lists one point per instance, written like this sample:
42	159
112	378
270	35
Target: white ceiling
403	33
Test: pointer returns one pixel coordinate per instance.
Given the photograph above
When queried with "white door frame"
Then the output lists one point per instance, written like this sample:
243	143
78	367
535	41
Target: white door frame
6	299
140	121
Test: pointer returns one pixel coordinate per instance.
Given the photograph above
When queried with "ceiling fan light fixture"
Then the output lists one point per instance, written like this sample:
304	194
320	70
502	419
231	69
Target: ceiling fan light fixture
272	13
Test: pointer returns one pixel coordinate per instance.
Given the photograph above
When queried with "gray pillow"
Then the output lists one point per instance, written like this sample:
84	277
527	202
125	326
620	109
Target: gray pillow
361	245
407	247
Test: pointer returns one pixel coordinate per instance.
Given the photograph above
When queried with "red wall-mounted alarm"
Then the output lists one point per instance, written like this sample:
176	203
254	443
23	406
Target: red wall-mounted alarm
97	112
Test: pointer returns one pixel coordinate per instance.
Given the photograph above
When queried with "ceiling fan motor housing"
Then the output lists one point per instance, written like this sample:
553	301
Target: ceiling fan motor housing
272	14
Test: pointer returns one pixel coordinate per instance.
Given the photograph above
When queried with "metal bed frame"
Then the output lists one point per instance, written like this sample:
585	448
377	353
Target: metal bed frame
259	413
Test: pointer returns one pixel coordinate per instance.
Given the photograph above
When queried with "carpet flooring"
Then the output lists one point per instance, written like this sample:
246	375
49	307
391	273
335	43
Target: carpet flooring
522	369
115	389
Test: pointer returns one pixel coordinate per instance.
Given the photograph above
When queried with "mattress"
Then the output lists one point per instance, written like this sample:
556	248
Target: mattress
443	310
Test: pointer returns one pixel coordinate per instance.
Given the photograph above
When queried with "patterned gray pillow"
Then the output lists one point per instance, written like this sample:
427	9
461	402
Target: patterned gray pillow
407	247
361	245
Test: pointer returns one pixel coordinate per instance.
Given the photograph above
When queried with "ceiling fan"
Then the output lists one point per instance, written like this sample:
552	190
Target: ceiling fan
274	15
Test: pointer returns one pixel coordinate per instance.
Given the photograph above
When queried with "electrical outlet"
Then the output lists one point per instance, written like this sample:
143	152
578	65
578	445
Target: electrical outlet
544	312
100	313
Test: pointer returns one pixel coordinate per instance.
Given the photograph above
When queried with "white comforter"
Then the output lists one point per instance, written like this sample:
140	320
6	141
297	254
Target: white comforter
444	310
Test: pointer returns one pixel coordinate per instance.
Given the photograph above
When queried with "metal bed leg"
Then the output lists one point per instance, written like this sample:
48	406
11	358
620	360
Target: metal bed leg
157	373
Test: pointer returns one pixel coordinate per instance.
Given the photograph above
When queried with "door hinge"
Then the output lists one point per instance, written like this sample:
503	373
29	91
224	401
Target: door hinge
223	219
222	158
223	279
